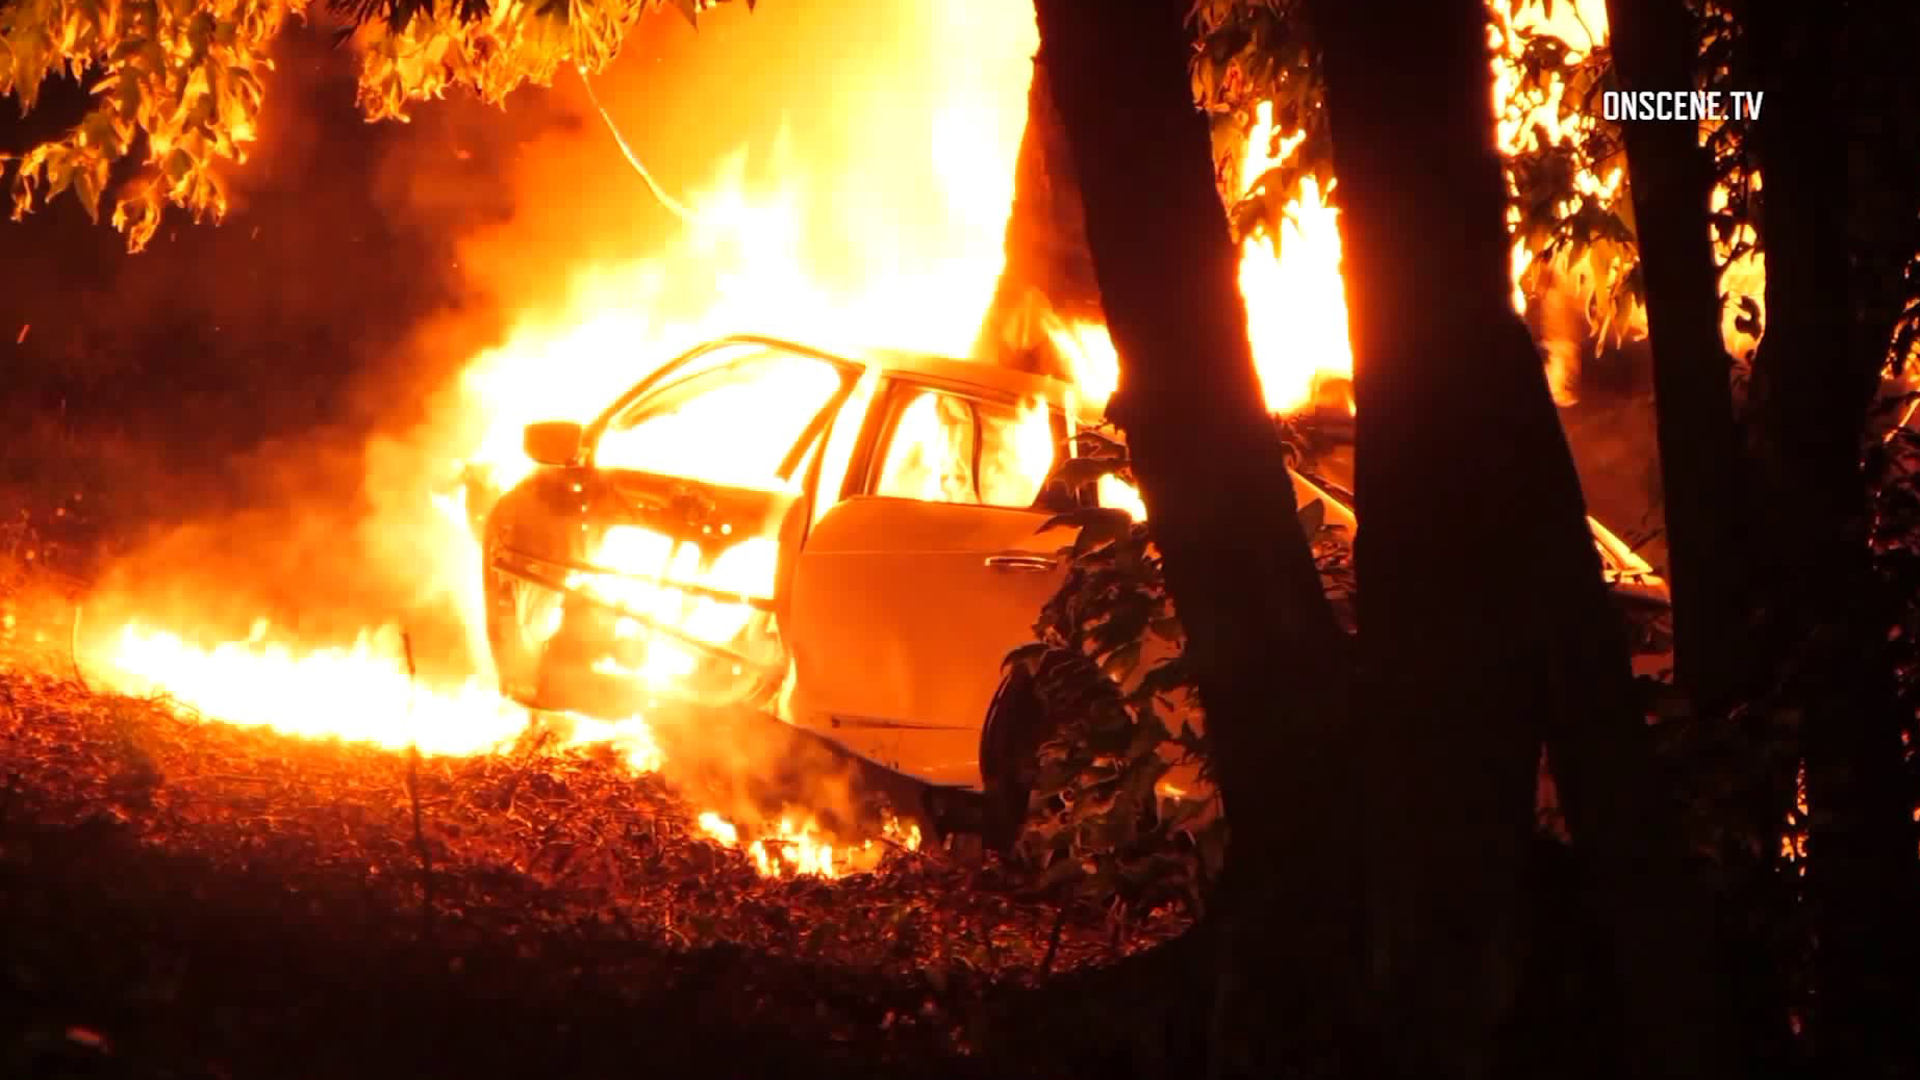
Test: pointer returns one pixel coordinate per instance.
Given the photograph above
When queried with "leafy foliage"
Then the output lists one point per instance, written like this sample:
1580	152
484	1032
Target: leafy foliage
1250	52
179	84
177	81
1893	472
510	46
1124	715
1748	805
1570	210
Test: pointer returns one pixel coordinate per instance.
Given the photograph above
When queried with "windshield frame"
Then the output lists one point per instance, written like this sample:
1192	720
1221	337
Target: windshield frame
591	436
668	375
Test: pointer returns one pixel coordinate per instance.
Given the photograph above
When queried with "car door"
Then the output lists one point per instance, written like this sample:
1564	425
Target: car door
693	484
909	593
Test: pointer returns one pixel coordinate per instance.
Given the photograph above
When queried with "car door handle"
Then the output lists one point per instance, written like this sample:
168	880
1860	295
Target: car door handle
1020	560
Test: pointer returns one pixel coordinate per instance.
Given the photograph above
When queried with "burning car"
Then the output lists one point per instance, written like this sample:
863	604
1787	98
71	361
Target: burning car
853	543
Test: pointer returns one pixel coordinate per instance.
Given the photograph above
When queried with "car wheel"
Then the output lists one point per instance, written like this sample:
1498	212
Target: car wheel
1017	725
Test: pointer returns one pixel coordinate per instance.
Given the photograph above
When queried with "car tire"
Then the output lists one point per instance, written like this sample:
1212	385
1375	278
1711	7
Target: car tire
1018	724
1010	740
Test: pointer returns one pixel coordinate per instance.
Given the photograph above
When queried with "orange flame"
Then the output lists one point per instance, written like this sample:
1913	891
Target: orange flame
360	693
1296	300
1295	297
884	247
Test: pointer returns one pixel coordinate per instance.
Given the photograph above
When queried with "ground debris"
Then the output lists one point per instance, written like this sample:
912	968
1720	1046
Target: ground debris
551	877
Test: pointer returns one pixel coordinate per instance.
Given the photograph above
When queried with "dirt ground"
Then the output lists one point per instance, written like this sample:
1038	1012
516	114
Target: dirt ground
186	898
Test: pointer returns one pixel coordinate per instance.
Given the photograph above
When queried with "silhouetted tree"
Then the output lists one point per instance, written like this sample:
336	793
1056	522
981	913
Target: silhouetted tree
1839	151
1671	185
1457	444
1268	656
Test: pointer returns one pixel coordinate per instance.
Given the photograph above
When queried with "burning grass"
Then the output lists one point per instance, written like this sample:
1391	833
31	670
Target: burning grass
154	858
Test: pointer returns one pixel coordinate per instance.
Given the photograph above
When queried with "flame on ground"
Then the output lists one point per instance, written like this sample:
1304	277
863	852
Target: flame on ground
359	693
790	850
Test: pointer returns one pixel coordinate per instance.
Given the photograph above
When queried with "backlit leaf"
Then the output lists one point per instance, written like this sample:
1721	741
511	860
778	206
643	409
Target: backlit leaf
89	182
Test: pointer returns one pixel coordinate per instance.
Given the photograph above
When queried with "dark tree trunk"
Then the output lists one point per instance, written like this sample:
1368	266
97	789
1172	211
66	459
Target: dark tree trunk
1461	463
1049	271
1671	181
1262	641
1816	373
1880	101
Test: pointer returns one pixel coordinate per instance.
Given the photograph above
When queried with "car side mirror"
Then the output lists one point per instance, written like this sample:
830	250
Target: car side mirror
554	442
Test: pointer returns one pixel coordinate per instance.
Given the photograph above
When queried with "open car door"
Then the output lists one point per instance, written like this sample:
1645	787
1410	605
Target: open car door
909	593
666	544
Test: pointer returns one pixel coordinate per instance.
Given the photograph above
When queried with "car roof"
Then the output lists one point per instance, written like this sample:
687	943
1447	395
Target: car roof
1005	380
990	377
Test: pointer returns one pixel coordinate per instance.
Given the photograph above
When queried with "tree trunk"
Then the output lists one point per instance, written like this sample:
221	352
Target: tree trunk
1266	651
1671	181
1461	464
1815	375
1049	271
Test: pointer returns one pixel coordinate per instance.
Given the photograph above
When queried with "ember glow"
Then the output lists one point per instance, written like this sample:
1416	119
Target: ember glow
790	850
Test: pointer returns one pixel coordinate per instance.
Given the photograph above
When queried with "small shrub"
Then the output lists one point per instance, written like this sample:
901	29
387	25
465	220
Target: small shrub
1124	714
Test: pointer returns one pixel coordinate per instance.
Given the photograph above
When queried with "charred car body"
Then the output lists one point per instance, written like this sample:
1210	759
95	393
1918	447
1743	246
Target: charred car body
853	543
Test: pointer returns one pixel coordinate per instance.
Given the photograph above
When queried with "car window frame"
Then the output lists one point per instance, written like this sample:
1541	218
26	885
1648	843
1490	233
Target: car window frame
891	399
